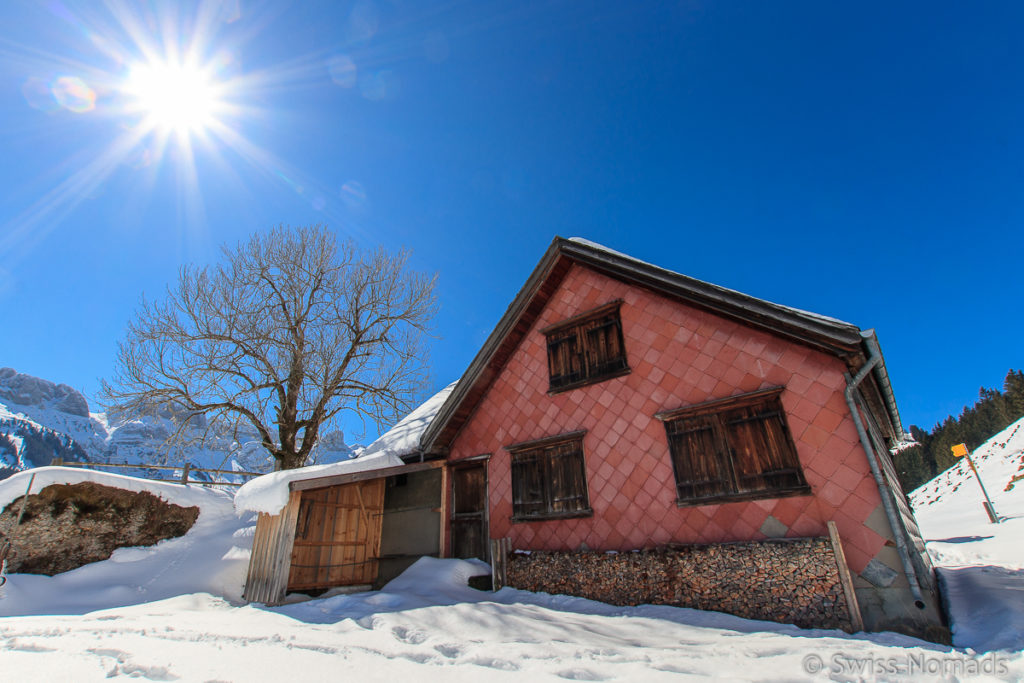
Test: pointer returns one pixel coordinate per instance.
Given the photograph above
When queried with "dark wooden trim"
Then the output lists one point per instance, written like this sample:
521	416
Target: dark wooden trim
471	460
742	497
546	441
366	475
828	334
585	316
590	380
585	512
719	404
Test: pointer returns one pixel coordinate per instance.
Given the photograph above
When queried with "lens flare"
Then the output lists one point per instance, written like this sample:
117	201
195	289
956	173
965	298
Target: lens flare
73	94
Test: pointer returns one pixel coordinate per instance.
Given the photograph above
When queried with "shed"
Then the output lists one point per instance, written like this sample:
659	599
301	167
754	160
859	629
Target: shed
358	523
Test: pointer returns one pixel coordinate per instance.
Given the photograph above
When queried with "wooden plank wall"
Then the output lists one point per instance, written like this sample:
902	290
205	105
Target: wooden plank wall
337	536
271	554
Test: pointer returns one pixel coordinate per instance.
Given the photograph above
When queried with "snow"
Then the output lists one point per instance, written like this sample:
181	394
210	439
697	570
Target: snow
172	612
404	437
14	487
981	564
269	493
212	557
428	625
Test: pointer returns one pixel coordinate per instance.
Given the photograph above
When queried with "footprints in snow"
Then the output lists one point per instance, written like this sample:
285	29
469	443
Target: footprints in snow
449	651
406	635
124	666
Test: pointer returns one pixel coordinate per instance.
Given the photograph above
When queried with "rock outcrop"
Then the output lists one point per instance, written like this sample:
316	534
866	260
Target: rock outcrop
66	526
26	390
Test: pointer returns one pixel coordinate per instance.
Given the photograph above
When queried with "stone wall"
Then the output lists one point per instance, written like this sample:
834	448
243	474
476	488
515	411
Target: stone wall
793	581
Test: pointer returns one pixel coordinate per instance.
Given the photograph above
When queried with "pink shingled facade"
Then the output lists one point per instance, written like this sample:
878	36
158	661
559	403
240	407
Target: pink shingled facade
679	355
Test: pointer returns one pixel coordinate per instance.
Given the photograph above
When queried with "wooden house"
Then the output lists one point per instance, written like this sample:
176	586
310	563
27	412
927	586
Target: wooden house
618	406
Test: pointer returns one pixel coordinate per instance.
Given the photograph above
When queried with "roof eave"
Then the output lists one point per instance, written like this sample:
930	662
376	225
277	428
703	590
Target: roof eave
831	336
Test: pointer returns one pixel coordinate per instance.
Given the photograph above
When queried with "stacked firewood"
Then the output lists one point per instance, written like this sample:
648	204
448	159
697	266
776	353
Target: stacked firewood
789	581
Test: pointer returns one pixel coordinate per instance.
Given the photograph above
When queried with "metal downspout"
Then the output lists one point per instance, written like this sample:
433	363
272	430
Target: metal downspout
873	359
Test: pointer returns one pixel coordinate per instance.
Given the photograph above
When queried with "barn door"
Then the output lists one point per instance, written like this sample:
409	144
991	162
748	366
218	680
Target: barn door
469	511
337	536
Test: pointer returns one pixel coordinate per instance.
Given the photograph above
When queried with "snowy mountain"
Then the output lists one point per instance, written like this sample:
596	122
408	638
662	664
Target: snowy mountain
41	420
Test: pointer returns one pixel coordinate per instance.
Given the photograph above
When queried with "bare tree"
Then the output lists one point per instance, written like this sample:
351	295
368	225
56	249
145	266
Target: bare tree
287	332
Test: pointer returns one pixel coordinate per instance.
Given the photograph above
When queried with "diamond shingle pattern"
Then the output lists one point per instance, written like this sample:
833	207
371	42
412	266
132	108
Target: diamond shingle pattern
679	356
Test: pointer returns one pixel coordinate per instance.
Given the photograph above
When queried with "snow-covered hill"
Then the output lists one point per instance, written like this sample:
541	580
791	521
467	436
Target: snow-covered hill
980	563
41	420
172	612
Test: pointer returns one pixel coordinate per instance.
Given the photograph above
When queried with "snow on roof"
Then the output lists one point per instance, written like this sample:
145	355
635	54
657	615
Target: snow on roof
404	437
799	311
269	493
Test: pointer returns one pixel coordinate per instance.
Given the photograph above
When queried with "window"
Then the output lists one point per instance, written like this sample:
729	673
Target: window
736	448
586	348
549	479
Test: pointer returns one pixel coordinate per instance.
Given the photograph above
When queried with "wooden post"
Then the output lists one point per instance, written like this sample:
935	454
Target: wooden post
961	451
856	620
500	548
184	473
57	462
442	550
24	501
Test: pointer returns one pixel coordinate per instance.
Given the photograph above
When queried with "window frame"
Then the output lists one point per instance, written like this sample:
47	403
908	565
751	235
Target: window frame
543	452
575	333
719	417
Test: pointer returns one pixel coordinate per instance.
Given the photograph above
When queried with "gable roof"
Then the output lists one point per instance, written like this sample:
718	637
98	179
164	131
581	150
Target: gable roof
834	337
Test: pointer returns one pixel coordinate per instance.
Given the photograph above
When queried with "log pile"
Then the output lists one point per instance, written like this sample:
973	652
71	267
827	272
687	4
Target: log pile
794	581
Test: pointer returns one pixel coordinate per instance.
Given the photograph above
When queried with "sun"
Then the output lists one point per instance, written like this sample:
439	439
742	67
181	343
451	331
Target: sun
179	97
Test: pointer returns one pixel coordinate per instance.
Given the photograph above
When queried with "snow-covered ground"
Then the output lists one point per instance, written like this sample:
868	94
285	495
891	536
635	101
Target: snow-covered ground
981	564
172	612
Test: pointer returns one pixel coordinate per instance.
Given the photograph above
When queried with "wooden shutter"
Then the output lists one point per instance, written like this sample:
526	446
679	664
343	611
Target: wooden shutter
527	484
604	351
586	348
762	452
701	468
549	478
565	362
567	478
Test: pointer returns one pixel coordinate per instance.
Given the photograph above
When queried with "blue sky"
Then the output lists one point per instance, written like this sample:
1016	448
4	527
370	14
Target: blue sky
863	162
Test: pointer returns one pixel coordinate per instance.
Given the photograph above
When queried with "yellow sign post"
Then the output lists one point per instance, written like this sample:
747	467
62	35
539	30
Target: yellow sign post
960	451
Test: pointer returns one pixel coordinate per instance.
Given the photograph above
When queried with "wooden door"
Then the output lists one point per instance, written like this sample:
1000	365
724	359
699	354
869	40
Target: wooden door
469	511
337	536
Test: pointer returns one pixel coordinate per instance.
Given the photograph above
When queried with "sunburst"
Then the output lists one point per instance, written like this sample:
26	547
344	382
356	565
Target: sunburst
178	97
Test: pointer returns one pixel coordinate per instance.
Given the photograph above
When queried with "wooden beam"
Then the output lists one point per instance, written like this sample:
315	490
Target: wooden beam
714	405
500	548
351	477
546	441
442	550
856	620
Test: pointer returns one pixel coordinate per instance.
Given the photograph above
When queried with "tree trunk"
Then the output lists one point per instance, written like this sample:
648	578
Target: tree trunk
288	461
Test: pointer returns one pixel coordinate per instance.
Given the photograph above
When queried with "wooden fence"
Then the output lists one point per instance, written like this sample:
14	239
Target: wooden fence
185	470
